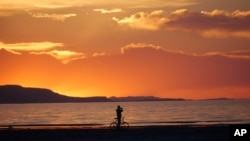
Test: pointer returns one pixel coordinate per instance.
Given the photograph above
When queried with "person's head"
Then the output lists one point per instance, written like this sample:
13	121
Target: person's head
118	106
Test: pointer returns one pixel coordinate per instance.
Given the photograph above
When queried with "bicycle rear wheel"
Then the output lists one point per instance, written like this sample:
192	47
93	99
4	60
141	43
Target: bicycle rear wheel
112	125
125	125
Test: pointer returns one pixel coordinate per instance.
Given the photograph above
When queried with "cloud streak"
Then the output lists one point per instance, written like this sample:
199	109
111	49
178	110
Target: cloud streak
64	55
216	23
30	46
55	17
241	54
15	4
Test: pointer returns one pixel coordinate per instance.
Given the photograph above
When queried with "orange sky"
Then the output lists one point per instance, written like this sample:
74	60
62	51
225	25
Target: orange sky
175	49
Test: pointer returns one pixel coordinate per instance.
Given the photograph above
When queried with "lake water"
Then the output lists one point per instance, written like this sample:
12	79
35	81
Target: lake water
136	113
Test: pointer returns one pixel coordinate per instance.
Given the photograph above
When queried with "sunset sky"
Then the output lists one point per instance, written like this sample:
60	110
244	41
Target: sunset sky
193	49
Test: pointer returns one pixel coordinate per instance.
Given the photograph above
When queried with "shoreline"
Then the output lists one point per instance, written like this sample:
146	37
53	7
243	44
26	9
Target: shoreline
134	133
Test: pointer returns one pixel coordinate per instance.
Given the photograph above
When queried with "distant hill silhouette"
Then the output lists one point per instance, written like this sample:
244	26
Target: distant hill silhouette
143	98
19	94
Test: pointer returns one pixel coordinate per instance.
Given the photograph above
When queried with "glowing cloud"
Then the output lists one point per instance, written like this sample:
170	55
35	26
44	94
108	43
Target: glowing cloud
216	23
138	45
104	11
234	14
39	48
33	46
142	20
179	12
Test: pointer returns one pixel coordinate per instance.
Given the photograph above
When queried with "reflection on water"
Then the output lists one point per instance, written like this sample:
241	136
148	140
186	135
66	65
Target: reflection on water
136	113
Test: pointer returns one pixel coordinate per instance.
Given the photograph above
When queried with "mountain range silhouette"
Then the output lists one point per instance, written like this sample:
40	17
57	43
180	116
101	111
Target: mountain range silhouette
19	94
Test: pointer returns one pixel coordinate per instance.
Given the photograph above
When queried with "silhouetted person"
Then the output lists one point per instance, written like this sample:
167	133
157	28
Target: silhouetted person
119	111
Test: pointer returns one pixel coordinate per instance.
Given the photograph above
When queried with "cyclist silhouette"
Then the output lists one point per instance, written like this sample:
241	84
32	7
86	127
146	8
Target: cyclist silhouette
119	111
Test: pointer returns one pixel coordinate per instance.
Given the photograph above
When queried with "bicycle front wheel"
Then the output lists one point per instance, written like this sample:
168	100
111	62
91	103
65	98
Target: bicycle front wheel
112	125
125	125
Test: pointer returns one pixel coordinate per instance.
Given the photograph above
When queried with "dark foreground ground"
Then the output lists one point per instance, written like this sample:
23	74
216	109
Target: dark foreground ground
148	133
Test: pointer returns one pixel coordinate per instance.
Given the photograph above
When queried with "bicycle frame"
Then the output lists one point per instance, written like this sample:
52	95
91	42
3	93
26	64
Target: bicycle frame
114	124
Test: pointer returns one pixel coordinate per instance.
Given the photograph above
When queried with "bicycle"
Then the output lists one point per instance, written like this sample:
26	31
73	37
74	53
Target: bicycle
123	125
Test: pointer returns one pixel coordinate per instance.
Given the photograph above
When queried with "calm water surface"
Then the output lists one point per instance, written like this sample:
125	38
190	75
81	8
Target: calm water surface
136	113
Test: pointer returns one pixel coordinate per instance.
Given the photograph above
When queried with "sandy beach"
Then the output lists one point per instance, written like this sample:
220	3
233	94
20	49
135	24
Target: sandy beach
144	133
